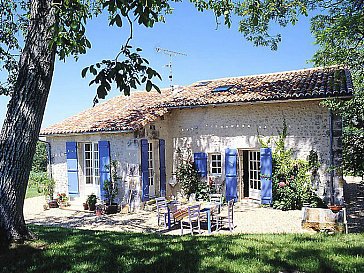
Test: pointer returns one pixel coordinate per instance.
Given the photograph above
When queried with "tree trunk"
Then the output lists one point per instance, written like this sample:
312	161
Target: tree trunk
23	120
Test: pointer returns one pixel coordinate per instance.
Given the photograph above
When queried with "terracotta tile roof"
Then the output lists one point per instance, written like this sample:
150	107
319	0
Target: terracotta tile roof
122	113
131	113
299	84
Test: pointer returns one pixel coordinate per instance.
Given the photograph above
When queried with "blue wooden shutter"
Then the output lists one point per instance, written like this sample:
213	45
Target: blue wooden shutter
145	172
104	161
231	174
162	166
200	161
266	175
72	168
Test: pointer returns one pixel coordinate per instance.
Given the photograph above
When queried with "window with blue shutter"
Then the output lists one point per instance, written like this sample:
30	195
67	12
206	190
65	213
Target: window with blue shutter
266	175
200	161
162	166
72	168
231	174
144	169
104	161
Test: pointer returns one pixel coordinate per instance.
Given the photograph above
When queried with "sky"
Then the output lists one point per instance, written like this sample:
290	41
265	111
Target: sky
210	54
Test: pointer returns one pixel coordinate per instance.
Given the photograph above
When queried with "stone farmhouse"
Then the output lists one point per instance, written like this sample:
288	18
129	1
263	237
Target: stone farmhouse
217	120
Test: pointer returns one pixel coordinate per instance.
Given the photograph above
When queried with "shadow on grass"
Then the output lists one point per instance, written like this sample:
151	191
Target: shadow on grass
72	250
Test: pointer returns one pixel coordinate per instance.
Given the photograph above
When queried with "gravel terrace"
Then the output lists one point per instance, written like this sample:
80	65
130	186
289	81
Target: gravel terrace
247	219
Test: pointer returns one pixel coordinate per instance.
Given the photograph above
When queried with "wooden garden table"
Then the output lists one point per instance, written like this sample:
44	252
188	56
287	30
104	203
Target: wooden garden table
182	212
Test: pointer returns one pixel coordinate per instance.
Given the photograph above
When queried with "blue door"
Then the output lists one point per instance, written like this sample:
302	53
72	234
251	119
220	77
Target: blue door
104	159
231	174
266	175
72	168
162	166
145	170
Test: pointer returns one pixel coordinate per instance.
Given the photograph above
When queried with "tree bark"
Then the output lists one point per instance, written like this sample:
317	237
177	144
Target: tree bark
23	120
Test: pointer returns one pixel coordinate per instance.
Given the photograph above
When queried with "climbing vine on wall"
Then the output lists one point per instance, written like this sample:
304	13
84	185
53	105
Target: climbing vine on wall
291	178
189	179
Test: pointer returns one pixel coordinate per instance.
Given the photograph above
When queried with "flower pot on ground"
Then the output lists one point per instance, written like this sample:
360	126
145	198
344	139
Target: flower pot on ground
52	204
62	199
91	202
85	206
99	210
111	190
335	208
111	209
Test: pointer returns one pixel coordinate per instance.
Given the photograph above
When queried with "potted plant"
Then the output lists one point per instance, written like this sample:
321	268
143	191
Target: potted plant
91	202
111	190
335	208
99	210
85	205
44	185
62	199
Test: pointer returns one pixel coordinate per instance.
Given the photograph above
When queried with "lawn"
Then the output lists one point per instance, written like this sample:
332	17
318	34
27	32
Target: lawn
71	250
32	191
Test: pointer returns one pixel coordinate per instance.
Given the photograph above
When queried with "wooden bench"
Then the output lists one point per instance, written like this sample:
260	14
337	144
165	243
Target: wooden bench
324	220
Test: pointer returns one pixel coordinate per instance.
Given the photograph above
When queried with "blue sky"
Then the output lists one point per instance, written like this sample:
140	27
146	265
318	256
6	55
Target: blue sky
210	53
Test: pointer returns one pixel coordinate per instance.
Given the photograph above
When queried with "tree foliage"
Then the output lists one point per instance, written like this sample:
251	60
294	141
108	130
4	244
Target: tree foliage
128	69
340	36
40	158
338	30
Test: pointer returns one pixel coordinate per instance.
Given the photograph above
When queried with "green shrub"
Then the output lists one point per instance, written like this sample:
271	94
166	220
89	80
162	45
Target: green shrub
39	164
111	186
43	183
190	180
291	178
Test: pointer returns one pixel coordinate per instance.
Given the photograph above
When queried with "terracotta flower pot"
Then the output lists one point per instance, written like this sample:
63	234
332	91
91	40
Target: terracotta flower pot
85	206
111	209
335	208
91	206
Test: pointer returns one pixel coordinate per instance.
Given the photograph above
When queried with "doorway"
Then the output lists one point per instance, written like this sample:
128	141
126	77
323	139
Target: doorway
151	169
91	168
249	171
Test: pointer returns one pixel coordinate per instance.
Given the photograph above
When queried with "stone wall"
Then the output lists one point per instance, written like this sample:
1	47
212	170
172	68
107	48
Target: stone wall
213	129
123	147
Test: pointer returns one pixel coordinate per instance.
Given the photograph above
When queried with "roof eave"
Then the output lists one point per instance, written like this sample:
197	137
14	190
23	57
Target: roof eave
87	133
255	102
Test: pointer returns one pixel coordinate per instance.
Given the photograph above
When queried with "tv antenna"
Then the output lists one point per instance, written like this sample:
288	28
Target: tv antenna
171	54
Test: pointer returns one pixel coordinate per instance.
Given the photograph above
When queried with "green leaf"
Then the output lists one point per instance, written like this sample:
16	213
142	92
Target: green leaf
83	72
148	85
156	88
88	44
118	20
101	92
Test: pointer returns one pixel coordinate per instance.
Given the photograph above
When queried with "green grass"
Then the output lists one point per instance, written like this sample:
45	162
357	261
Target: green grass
71	250
32	192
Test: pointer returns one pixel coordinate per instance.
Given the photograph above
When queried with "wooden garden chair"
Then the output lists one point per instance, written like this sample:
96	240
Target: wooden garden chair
162	211
193	216
226	219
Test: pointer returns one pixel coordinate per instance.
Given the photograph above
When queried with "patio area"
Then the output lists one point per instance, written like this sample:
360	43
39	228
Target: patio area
247	219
